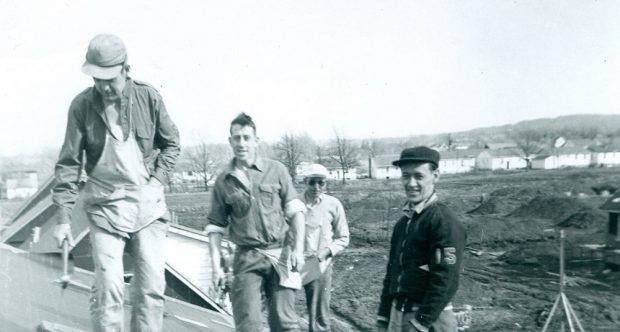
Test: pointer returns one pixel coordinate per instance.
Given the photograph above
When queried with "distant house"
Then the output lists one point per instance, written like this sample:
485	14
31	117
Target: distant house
382	168
606	156
20	184
337	174
545	161
451	162
506	159
457	161
573	156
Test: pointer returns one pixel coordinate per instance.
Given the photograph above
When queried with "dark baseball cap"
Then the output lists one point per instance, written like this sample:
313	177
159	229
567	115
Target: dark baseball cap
418	154
105	57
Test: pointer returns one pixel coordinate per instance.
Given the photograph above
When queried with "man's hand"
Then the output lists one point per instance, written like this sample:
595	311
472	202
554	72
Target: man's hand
297	260
62	232
219	277
323	254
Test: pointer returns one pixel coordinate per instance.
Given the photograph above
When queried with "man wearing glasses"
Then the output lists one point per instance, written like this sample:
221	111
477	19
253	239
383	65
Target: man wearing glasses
425	255
327	234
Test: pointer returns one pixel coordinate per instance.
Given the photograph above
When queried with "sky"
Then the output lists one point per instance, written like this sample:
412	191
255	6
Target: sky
367	69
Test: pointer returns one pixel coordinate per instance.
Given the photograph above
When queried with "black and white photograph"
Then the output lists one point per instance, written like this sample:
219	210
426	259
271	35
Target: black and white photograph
346	165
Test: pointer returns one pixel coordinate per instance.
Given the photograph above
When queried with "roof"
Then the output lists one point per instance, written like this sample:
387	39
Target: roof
385	159
501	145
612	204
459	154
183	245
30	295
504	153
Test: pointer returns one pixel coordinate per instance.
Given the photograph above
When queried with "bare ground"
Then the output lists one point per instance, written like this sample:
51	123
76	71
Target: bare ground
510	269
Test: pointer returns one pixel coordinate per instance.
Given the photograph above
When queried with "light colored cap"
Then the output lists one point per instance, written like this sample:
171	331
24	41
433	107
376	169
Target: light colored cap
105	57
316	171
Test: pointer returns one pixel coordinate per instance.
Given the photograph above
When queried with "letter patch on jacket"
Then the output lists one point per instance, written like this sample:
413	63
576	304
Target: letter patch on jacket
447	255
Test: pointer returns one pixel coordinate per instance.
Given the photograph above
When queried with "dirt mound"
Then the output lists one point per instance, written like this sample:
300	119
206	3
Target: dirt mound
583	219
553	207
504	200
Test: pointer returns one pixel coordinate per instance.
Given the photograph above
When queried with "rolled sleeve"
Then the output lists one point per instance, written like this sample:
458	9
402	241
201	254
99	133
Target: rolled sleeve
214	229
218	217
291	203
293	207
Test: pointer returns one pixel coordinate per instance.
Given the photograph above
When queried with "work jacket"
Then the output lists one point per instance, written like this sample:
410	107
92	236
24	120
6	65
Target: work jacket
156	134
424	263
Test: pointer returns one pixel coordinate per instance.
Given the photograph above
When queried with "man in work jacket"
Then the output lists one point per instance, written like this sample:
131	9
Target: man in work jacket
254	199
113	133
425	255
327	234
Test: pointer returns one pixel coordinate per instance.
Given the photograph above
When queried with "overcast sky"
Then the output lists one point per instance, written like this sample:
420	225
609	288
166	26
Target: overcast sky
368	68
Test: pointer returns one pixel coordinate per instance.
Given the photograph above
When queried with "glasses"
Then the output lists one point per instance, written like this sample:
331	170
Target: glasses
313	182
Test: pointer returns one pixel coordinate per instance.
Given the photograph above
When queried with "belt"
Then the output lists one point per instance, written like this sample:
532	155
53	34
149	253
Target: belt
265	246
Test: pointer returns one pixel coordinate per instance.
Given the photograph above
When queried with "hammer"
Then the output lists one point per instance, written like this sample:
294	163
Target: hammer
64	280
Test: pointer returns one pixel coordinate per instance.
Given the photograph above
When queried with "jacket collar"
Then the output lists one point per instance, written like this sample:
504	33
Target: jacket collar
409	210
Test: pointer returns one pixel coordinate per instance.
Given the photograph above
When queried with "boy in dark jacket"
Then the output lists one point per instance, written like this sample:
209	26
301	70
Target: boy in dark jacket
425	255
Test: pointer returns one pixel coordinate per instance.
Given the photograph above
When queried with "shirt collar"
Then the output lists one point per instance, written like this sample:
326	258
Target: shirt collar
259	165
124	94
312	203
409	210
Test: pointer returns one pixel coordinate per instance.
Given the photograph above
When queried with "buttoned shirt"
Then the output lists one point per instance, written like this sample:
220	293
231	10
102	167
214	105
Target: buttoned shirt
156	134
254	206
326	225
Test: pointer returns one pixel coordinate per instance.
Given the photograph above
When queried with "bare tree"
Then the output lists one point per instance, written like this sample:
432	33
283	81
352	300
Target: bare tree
528	141
292	149
206	159
343	153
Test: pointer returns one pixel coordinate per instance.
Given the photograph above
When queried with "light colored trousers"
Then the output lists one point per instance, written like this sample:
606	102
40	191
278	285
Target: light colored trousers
147	285
401	322
318	295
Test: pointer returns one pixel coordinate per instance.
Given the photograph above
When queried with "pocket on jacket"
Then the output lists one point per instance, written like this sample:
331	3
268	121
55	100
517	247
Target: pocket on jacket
269	196
144	135
239	202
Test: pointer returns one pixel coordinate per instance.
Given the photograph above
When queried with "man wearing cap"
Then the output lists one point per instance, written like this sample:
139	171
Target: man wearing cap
255	201
425	254
120	134
327	234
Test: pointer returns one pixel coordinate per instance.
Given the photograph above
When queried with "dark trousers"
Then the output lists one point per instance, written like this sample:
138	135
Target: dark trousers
318	295
254	274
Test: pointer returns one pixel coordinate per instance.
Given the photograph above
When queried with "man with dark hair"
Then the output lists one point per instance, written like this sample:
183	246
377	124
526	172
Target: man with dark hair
425	255
118	126
254	199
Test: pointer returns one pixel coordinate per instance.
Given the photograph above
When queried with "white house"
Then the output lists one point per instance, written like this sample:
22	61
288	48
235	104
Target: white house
500	159
607	156
382	167
545	161
335	173
21	184
457	161
573	156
